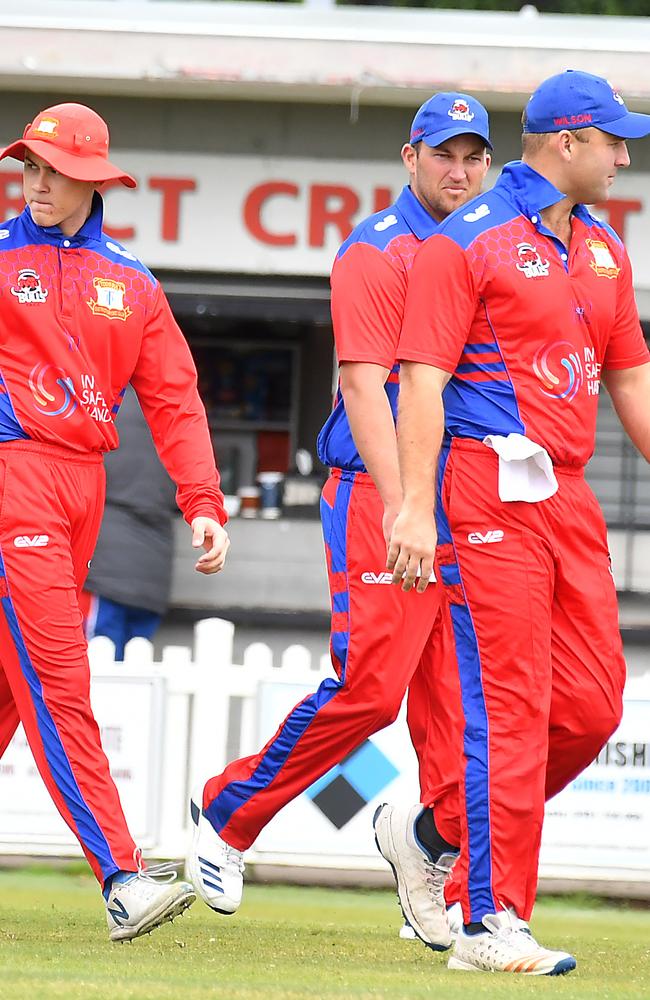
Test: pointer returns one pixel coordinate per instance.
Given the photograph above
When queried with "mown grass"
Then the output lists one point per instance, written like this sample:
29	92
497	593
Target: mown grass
287	943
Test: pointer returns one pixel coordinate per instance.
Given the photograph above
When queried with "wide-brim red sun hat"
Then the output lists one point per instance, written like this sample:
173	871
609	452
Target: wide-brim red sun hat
72	139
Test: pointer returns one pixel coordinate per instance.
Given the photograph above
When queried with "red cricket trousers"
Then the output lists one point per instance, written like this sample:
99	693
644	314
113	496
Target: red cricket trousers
540	661
380	638
51	502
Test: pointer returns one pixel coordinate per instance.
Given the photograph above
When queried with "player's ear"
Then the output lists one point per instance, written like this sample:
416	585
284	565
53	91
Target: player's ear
564	144
409	157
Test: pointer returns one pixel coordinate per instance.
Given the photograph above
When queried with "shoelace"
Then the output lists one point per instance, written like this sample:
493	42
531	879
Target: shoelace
158	874
235	857
517	929
435	876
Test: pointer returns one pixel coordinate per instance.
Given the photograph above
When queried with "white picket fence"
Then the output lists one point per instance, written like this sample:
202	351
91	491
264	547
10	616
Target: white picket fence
199	724
168	725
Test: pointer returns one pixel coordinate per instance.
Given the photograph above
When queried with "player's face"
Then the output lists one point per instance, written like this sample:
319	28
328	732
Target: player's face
594	164
53	199
446	176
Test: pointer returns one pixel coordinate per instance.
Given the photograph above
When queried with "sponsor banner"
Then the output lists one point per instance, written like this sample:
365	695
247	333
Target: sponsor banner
601	821
274	215
130	715
333	819
598	827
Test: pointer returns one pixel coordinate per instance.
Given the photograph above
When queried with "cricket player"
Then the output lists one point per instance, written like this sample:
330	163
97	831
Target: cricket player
81	318
516	308
380	637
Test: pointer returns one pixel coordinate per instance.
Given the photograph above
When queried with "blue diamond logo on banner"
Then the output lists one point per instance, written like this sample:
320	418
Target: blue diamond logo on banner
347	788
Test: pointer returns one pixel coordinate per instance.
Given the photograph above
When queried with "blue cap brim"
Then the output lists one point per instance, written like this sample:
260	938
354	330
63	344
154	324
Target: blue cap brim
630	126
437	138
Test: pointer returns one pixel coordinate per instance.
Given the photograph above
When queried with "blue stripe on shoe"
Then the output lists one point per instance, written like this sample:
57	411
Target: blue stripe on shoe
87	827
208	874
212	885
209	864
239	793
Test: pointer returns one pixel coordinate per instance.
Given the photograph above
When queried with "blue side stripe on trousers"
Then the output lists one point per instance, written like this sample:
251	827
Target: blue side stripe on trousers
239	793
87	826
476	736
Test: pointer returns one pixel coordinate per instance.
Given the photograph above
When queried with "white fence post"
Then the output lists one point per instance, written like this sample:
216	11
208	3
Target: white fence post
175	779
210	700
258	663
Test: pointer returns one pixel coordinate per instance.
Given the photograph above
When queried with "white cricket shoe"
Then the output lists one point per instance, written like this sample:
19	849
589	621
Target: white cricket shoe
215	868
144	902
507	946
407	933
455	918
420	881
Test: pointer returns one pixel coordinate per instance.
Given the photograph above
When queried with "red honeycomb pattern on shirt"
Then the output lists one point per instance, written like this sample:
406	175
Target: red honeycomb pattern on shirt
498	247
402	250
72	275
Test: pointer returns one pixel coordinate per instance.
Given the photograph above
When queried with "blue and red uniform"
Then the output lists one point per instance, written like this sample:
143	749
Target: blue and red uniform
81	317
525	325
381	638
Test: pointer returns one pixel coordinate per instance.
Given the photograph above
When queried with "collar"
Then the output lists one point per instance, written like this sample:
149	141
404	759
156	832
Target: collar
415	215
91	229
531	191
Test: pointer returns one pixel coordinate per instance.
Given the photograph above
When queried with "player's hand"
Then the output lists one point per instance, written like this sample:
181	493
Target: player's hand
209	534
388	520
412	549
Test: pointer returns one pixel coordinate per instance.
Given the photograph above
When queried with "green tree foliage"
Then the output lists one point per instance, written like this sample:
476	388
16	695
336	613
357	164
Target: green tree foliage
620	8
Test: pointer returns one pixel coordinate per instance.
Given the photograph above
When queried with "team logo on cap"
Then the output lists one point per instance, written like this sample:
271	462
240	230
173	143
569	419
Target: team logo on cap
530	262
615	94
460	111
110	299
46	127
603	263
28	287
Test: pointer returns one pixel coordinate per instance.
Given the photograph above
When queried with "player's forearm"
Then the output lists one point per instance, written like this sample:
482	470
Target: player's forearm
634	414
420	428
630	392
373	430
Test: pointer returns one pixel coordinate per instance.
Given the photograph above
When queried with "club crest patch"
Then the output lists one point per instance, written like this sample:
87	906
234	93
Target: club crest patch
602	261
110	299
46	127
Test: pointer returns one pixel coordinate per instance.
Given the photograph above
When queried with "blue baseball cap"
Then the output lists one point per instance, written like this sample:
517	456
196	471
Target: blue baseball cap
445	115
574	100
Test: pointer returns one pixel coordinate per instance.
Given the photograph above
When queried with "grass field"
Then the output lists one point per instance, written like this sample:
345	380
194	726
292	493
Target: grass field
288	943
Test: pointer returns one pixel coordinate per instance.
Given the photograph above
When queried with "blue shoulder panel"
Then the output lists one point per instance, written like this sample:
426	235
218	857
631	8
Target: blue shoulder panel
486	211
377	230
115	252
13	234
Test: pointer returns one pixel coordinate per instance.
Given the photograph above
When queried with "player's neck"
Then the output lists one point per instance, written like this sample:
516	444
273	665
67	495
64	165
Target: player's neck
557	218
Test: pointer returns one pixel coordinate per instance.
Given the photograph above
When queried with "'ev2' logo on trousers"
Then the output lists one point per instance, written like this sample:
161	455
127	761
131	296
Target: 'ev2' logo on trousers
31	542
477	538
